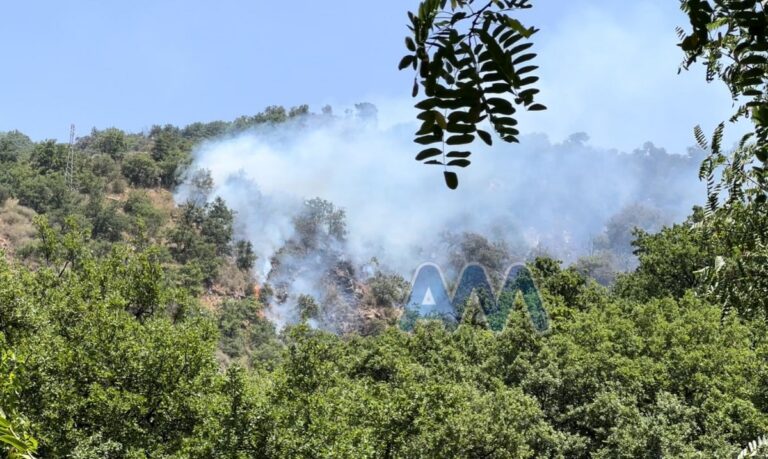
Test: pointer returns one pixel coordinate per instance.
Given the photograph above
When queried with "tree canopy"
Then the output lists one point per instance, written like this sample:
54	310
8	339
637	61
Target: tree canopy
132	327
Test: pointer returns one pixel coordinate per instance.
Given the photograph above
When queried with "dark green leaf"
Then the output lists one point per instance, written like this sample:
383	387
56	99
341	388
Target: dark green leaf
427	104
410	44
427	139
461	128
523	58
501	106
428	153
406	61
485	136
527	81
459	162
461	139
451	179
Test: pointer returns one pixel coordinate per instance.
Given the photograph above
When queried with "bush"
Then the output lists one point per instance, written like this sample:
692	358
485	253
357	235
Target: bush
16	225
118	186
112	142
12	145
233	281
45	193
244	256
141	170
103	166
106	222
139	206
49	157
5	194
244	332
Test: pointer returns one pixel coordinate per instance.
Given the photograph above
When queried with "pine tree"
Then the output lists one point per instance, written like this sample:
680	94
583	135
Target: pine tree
473	313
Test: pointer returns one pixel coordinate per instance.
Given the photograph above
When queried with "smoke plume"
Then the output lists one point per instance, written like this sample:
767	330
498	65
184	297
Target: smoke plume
538	196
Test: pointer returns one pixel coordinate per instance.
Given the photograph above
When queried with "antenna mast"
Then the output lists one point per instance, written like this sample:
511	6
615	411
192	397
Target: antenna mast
69	173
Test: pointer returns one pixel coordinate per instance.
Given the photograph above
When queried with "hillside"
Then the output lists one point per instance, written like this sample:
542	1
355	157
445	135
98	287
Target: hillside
135	324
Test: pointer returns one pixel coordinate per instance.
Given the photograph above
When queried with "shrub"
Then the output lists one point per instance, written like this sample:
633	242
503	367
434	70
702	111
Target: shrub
5	194
103	166
141	170
112	142
118	186
139	206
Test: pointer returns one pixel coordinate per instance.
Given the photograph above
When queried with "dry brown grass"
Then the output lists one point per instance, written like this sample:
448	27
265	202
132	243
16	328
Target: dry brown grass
162	199
16	226
211	302
231	283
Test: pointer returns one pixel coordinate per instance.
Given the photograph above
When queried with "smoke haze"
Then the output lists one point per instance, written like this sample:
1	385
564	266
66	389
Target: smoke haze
539	195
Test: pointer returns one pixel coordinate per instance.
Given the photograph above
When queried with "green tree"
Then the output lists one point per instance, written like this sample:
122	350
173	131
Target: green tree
46	194
141	170
201	186
48	157
319	223
245	334
202	235
669	262
172	152
103	166
730	38
244	256
5	194
111	142
106	221
201	131
167	142
472	313
143	213
114	354
13	145
216	228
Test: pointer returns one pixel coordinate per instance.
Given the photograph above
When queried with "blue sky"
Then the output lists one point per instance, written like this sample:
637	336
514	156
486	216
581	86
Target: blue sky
608	68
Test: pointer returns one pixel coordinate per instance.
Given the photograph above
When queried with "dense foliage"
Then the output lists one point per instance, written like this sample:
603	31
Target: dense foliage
129	327
126	333
118	362
732	39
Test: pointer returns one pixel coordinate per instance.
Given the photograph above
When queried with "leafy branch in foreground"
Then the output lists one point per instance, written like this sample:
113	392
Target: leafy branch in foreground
732	38
19	446
15	443
468	55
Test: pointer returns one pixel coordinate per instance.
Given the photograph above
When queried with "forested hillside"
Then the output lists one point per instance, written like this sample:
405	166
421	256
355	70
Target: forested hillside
133	326
162	297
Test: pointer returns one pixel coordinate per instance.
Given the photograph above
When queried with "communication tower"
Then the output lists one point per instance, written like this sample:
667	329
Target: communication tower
69	172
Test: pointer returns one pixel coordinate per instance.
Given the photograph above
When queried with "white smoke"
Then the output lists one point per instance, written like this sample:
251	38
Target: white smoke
554	196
